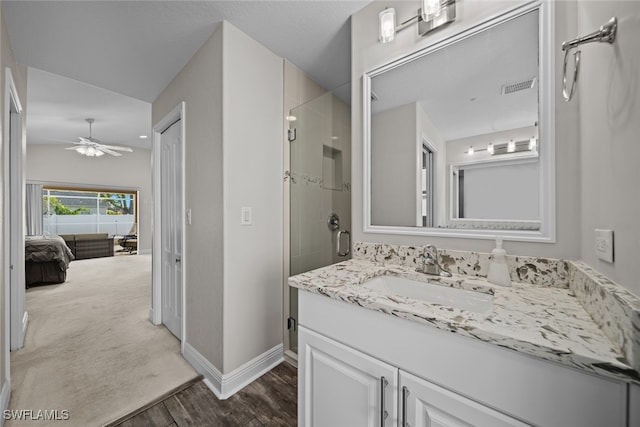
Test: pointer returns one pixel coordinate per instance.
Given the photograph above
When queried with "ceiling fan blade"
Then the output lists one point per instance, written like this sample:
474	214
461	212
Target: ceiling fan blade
71	148
116	147
106	150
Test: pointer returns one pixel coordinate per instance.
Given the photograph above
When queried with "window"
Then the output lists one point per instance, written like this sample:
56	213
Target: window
68	211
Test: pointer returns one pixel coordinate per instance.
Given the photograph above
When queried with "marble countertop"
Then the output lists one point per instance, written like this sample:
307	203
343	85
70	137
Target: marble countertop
540	321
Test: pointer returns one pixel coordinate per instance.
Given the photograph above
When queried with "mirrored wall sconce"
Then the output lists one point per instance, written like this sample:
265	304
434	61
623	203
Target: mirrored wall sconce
506	147
433	14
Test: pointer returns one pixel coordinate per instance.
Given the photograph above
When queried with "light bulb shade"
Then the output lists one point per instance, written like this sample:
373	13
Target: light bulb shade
81	150
99	153
533	144
470	151
434	14
490	148
431	9
387	30
511	147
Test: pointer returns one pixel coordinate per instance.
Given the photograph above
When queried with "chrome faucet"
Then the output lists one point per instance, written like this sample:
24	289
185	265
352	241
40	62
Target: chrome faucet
430	263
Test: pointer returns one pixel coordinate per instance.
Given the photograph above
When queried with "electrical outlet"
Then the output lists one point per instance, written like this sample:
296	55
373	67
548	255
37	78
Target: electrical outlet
604	244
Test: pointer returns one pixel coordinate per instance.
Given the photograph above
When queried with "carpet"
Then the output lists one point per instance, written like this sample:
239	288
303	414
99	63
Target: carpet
90	349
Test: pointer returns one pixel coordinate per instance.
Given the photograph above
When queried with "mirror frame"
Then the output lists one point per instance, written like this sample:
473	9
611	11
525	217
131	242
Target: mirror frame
546	129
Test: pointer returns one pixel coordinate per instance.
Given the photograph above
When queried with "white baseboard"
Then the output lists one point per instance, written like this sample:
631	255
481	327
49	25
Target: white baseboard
4	399
25	323
22	332
225	386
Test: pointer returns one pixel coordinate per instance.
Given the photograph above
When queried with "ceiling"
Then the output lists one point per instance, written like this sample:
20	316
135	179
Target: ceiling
135	49
58	106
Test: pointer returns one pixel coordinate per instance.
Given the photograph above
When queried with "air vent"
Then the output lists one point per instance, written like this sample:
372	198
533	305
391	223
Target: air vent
517	87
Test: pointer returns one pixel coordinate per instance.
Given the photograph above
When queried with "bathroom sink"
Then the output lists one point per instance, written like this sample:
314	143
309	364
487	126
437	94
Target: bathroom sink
464	299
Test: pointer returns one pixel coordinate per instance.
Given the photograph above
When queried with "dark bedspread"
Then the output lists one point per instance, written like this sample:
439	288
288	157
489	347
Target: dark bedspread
46	249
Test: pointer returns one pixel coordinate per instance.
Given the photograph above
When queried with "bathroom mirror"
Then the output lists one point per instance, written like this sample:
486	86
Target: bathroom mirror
459	136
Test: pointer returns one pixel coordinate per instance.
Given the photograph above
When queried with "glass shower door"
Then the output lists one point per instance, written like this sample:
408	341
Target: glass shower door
320	186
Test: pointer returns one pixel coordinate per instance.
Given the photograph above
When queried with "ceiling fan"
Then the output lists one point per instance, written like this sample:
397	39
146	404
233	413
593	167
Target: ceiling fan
91	147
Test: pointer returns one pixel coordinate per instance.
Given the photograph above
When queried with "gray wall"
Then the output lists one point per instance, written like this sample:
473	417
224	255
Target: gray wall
252	166
609	100
233	92
199	85
7	59
394	146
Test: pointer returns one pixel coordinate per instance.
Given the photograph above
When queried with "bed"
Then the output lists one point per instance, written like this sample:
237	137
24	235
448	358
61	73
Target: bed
46	259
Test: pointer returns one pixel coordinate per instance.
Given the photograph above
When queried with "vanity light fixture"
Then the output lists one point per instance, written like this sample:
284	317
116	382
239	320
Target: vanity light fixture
387	28
432	15
505	147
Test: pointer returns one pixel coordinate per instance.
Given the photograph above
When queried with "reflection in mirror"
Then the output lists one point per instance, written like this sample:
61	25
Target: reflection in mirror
454	139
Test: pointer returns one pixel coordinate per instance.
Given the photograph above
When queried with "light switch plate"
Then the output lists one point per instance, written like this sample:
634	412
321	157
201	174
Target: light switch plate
604	244
245	218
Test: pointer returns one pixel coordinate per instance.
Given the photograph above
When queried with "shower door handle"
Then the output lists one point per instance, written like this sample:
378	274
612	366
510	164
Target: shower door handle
339	240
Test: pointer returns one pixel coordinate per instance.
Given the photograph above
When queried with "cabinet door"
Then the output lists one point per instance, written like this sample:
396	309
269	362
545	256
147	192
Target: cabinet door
341	387
425	404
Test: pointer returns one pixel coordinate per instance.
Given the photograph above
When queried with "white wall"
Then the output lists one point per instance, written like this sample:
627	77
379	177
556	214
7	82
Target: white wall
609	100
394	143
232	89
53	164
368	54
252	165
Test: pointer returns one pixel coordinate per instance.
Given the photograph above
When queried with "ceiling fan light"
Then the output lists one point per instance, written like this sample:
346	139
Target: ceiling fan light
82	150
99	153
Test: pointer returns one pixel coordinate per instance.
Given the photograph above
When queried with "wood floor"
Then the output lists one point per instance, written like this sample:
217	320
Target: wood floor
271	400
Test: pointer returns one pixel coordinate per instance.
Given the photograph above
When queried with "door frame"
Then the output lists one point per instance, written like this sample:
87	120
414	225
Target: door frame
16	317
155	315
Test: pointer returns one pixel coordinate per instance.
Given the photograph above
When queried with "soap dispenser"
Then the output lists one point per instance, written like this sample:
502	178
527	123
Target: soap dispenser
498	268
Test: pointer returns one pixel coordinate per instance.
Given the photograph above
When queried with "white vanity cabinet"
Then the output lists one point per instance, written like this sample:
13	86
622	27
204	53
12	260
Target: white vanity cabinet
452	380
342	386
424	404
